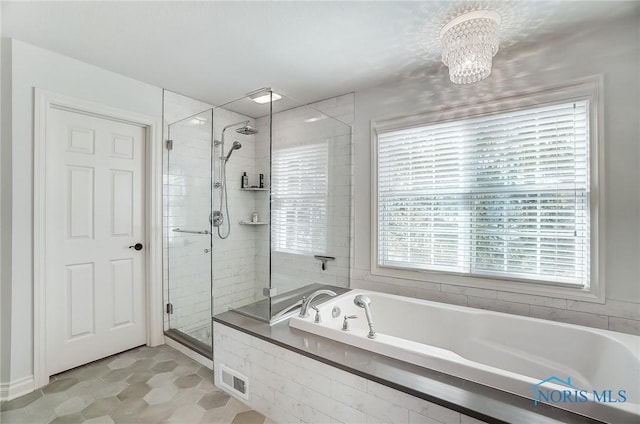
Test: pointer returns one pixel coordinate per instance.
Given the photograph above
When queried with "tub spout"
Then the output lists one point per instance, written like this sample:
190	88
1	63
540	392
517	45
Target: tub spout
307	302
365	303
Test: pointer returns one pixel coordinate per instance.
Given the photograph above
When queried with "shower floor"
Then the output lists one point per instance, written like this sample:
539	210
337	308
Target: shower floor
202	334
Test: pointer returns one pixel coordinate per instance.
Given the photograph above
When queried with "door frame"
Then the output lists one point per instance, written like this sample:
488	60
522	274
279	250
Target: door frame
44	101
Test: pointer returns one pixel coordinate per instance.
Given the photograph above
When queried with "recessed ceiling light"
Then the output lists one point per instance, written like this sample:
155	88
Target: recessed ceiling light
264	95
199	121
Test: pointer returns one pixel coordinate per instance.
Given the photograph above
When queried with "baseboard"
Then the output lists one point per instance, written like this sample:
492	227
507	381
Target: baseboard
190	353
9	391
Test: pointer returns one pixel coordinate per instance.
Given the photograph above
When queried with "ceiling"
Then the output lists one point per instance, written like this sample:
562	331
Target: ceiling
218	51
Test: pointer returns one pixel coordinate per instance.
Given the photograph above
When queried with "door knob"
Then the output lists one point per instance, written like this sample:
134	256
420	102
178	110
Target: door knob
137	246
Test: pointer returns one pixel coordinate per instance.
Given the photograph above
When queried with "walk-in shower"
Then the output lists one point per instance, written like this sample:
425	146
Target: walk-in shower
254	194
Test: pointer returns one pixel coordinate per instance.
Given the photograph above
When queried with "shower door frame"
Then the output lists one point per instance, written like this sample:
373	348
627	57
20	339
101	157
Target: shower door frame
174	334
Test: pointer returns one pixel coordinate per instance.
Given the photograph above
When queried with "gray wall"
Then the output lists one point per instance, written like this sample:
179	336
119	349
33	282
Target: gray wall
612	51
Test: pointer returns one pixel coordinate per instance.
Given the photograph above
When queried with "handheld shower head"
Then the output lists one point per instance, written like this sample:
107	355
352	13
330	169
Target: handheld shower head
235	146
364	302
361	300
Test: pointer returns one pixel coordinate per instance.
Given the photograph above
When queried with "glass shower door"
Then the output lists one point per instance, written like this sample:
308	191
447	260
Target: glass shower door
188	231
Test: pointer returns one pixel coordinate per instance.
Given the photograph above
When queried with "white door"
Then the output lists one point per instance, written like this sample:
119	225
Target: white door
95	283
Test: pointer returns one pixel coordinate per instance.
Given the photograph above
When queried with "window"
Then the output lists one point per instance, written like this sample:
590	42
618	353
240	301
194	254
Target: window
503	196
299	199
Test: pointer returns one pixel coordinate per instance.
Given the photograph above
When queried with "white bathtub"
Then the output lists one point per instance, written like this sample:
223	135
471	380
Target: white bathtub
504	351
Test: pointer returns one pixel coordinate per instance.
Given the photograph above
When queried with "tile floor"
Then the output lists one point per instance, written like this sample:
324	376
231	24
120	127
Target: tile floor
143	385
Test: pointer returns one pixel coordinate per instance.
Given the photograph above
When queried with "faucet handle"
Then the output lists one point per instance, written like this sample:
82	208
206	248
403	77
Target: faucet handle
303	307
345	323
317	320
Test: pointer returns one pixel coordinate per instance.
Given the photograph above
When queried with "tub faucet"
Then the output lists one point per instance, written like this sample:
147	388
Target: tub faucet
306	302
364	302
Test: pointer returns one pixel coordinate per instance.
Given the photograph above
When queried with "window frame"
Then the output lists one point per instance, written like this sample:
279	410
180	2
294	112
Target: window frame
590	89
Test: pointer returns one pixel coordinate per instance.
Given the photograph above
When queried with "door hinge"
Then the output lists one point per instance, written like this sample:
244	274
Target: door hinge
169	144
170	308
269	291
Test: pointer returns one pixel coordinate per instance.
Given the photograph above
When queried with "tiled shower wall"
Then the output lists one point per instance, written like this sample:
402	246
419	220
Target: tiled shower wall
234	258
187	200
186	203
306	125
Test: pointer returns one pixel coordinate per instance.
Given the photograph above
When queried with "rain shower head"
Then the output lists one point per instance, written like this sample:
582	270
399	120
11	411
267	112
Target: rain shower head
235	146
246	129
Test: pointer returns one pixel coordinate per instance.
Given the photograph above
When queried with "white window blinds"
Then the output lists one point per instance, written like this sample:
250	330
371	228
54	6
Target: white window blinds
503	195
299	199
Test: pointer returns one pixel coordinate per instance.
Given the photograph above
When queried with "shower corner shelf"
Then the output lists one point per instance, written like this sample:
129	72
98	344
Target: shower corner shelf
253	189
252	223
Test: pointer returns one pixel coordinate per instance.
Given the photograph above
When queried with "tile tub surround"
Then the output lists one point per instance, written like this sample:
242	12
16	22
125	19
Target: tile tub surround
299	377
142	385
614	315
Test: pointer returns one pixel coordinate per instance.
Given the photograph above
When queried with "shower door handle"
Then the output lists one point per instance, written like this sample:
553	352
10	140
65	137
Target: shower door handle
180	230
137	246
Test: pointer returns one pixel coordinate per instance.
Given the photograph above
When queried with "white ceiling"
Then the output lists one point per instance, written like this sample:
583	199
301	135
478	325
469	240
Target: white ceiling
218	51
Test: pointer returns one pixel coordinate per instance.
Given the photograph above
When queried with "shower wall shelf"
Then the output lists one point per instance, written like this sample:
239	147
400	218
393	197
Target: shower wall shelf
253	189
252	223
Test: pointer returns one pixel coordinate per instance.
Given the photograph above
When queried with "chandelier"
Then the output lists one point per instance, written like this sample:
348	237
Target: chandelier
469	43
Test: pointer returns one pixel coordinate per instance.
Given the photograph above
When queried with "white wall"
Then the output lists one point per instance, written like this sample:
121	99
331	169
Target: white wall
611	50
35	67
5	210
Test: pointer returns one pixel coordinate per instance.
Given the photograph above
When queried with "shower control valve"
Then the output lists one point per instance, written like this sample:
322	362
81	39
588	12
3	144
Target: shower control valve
216	218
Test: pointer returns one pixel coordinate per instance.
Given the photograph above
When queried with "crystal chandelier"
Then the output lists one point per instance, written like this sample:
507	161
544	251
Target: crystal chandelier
469	43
